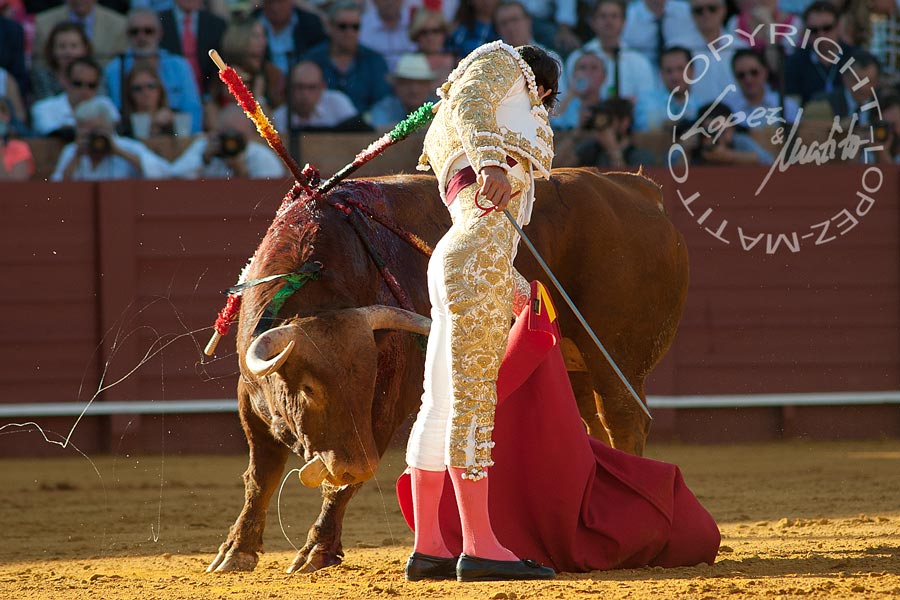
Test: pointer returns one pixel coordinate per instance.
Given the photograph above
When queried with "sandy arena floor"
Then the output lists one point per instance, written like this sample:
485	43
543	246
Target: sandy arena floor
810	519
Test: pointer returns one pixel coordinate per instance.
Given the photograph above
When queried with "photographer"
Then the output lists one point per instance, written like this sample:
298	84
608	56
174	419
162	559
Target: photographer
98	153
230	150
728	147
605	137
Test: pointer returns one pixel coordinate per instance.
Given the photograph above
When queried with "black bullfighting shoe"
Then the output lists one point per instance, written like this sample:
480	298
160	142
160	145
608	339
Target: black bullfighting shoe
472	568
423	566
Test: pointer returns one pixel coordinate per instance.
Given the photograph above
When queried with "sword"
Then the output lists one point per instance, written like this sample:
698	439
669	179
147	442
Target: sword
578	314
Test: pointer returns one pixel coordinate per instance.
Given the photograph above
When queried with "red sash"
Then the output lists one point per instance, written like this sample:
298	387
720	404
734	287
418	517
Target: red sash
464	178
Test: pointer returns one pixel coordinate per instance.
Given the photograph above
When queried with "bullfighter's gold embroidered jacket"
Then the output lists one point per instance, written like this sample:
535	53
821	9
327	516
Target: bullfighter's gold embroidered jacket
490	109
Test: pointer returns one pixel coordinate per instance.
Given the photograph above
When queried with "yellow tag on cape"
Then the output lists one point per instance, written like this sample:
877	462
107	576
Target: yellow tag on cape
543	299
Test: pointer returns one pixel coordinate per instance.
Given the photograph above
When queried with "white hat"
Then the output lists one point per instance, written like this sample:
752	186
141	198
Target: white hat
413	66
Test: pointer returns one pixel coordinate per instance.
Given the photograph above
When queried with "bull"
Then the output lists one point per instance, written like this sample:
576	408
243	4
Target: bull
340	369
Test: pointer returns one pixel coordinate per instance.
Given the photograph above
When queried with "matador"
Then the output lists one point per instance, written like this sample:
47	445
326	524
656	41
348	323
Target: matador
489	140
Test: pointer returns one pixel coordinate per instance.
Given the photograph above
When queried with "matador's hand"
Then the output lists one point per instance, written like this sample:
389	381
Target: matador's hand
495	186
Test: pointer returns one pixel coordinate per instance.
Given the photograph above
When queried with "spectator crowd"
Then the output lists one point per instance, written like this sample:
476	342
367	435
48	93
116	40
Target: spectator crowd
105	76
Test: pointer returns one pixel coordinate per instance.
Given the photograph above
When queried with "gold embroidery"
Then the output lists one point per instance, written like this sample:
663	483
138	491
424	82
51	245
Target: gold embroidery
465	121
480	282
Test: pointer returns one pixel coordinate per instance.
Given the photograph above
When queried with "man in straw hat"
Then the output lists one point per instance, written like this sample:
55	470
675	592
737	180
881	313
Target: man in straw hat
489	139
413	83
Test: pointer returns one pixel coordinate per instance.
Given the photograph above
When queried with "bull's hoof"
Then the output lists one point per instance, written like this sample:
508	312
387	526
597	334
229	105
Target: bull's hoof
228	561
313	561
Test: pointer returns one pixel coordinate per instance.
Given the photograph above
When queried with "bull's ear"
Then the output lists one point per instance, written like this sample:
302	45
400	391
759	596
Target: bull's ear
270	350
388	317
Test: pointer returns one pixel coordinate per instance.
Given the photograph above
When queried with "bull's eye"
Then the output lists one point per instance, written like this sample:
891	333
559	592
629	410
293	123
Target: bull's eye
306	390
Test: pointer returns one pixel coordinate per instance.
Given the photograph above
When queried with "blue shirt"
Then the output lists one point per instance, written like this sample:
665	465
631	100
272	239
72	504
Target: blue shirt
364	81
87	22
651	111
745	143
737	102
463	40
569	118
281	45
387	112
177	77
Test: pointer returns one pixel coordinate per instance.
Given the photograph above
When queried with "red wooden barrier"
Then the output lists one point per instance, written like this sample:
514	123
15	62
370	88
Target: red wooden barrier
101	278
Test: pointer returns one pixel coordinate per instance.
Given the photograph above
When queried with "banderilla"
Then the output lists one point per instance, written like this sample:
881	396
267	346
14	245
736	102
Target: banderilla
578	314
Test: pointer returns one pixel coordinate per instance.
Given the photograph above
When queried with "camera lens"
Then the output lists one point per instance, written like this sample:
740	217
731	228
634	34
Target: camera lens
231	143
99	143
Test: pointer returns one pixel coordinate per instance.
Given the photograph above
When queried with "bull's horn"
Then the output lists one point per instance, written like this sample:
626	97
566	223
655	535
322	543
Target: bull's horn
269	351
313	473
388	317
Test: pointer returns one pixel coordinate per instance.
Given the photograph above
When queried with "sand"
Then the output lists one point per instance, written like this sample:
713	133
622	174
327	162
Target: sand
799	519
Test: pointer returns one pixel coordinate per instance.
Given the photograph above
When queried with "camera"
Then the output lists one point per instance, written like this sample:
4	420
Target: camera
881	131
99	143
231	143
599	118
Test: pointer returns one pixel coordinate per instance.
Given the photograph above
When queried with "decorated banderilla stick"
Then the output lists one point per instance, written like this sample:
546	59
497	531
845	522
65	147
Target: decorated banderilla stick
246	100
240	92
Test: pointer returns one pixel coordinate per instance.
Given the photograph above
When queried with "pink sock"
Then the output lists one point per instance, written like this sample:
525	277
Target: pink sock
478	536
426	495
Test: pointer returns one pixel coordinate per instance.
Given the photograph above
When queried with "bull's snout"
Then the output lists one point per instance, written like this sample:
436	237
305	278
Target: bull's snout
349	472
325	467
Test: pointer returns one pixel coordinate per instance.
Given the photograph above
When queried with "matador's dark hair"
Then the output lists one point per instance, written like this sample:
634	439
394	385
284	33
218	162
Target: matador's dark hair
546	71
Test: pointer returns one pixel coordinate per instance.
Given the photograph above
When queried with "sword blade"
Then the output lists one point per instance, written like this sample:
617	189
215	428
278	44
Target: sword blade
577	313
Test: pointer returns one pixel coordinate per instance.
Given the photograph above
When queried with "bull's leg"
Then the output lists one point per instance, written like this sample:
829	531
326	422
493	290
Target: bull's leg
267	460
588	405
583	388
623	419
323	544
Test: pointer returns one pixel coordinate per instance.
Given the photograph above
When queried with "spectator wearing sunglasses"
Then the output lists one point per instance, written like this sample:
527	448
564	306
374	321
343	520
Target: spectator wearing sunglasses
429	31
146	108
760	18
708	25
144	35
753	92
347	65
55	115
816	68
313	106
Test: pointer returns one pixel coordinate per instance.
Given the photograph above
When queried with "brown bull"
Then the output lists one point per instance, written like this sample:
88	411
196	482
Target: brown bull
339	372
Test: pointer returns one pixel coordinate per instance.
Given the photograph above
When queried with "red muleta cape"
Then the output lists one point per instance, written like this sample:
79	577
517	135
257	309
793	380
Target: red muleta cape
559	496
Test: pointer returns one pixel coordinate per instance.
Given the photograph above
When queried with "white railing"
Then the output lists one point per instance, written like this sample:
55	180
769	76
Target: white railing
229	405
